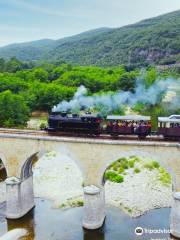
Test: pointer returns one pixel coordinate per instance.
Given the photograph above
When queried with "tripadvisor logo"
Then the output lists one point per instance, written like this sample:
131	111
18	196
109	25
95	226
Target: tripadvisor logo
139	231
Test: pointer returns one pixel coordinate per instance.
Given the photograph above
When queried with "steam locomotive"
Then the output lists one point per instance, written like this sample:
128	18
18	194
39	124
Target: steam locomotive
95	125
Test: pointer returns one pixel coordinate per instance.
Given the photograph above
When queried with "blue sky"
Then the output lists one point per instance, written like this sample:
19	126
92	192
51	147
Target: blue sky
27	20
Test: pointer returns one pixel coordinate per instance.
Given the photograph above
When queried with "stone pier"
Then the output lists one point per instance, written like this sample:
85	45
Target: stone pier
19	197
94	207
175	216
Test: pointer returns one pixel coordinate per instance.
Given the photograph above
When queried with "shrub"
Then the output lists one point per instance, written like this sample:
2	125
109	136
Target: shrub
121	159
80	203
113	177
115	167
164	177
124	163
152	165
43	125
149	166
137	170
131	163
135	158
155	164
121	169
63	205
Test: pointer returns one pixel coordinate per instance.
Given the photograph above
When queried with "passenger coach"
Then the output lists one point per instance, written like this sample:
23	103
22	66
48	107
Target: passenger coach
129	125
169	127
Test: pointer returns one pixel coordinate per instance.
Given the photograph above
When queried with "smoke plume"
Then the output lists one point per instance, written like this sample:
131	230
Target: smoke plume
112	101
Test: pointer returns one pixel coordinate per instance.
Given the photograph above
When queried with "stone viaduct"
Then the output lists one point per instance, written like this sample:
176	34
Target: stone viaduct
92	156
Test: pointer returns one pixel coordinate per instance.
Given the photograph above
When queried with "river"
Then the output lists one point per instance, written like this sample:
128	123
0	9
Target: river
49	222
46	223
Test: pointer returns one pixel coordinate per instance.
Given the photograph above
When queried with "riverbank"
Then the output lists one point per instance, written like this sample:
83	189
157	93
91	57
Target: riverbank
138	193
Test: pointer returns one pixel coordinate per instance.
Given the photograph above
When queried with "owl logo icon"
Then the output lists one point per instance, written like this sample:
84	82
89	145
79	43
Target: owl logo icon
139	231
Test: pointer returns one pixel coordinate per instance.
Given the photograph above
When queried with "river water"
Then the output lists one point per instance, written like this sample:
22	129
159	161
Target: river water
46	223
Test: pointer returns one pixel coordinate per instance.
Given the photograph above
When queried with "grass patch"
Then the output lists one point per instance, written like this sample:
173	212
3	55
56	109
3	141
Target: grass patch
118	168
121	170
152	165
80	203
155	164
164	177
131	163
149	166
137	170
113	177
62	205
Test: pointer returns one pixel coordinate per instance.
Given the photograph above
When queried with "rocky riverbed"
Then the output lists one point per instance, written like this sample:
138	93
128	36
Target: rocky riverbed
56	177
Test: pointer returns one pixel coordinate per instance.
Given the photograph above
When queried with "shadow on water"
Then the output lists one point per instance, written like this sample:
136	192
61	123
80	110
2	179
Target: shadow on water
46	223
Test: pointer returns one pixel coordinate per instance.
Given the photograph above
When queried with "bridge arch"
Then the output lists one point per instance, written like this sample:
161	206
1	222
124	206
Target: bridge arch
26	169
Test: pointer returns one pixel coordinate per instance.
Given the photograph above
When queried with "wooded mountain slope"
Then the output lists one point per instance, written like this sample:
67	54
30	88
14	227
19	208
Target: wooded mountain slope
151	41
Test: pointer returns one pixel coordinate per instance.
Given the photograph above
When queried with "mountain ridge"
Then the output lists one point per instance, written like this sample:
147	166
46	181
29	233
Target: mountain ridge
150	41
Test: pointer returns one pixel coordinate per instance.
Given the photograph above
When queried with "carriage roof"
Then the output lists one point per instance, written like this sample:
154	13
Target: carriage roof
129	118
171	119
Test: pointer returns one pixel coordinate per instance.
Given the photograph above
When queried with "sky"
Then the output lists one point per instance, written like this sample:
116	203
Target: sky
28	20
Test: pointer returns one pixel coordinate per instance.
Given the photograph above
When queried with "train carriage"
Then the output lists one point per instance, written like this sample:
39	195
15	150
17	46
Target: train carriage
169	127
128	125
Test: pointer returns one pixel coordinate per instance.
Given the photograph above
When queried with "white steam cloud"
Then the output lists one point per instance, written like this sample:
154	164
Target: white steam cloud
113	101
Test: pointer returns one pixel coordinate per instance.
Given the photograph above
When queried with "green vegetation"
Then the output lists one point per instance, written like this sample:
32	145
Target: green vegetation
151	165
164	177
114	171
13	109
40	87
152	41
113	177
43	125
155	164
80	203
137	170
134	164
129	210
72	203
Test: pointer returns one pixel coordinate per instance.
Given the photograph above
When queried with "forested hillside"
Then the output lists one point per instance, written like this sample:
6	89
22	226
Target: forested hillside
152	41
25	88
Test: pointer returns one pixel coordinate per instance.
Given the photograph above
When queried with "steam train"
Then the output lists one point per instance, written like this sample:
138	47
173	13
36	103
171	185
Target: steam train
95	125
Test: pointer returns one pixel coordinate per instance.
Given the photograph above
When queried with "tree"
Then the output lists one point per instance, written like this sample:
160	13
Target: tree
58	71
13	65
127	82
151	76
43	96
11	82
13	110
2	64
41	74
